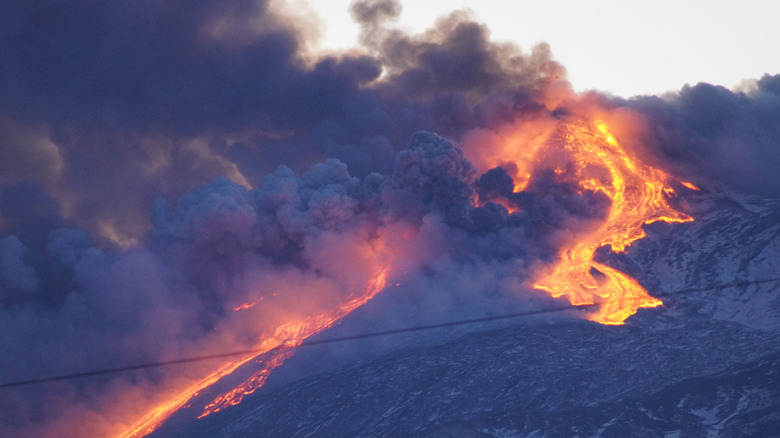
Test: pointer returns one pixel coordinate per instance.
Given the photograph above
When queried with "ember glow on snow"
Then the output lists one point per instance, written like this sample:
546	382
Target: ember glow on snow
186	179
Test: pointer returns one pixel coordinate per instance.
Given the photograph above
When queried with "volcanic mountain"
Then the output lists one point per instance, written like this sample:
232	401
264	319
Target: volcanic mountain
704	364
210	228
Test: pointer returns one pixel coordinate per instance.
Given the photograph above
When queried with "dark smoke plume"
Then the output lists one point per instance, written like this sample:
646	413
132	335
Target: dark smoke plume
729	139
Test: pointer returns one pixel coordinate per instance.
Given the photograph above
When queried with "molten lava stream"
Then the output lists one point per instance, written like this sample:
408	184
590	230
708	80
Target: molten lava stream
296	333
287	335
637	197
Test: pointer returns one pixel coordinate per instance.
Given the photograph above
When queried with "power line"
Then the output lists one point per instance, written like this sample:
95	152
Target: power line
372	334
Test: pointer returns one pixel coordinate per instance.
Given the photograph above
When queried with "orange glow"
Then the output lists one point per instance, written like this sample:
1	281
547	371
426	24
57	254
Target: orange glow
689	185
163	411
503	202
513	147
584	154
588	155
293	334
287	334
252	384
637	197
246	305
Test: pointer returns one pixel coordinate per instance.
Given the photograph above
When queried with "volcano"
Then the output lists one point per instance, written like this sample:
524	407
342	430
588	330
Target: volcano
704	364
210	228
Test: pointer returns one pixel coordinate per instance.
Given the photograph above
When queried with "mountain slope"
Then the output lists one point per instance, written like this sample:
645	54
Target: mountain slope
706	364
527	378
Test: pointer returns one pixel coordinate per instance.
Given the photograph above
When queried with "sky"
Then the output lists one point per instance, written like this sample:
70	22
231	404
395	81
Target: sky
622	47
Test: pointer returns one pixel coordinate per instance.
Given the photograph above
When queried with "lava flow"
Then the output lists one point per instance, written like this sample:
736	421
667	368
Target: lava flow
293	334
596	162
576	153
287	335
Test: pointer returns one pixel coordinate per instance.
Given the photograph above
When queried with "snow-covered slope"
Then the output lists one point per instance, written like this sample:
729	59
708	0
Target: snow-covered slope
706	364
528	381
734	239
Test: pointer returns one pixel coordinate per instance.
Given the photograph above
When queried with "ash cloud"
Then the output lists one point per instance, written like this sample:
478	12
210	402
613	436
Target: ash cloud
724	138
150	100
163	163
374	12
188	66
296	242
129	92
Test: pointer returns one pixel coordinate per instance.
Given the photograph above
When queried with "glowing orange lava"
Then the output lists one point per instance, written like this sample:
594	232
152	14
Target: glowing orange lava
503	202
294	333
162	412
245	306
286	335
582	154
596	162
252	384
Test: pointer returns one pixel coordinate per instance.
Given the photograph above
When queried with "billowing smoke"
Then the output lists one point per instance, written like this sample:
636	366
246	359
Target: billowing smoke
163	163
728	139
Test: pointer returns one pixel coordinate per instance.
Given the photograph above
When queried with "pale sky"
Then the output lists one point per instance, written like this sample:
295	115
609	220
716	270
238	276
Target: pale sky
622	47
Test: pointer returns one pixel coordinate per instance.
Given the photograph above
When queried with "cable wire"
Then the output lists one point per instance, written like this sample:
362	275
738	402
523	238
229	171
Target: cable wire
371	335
